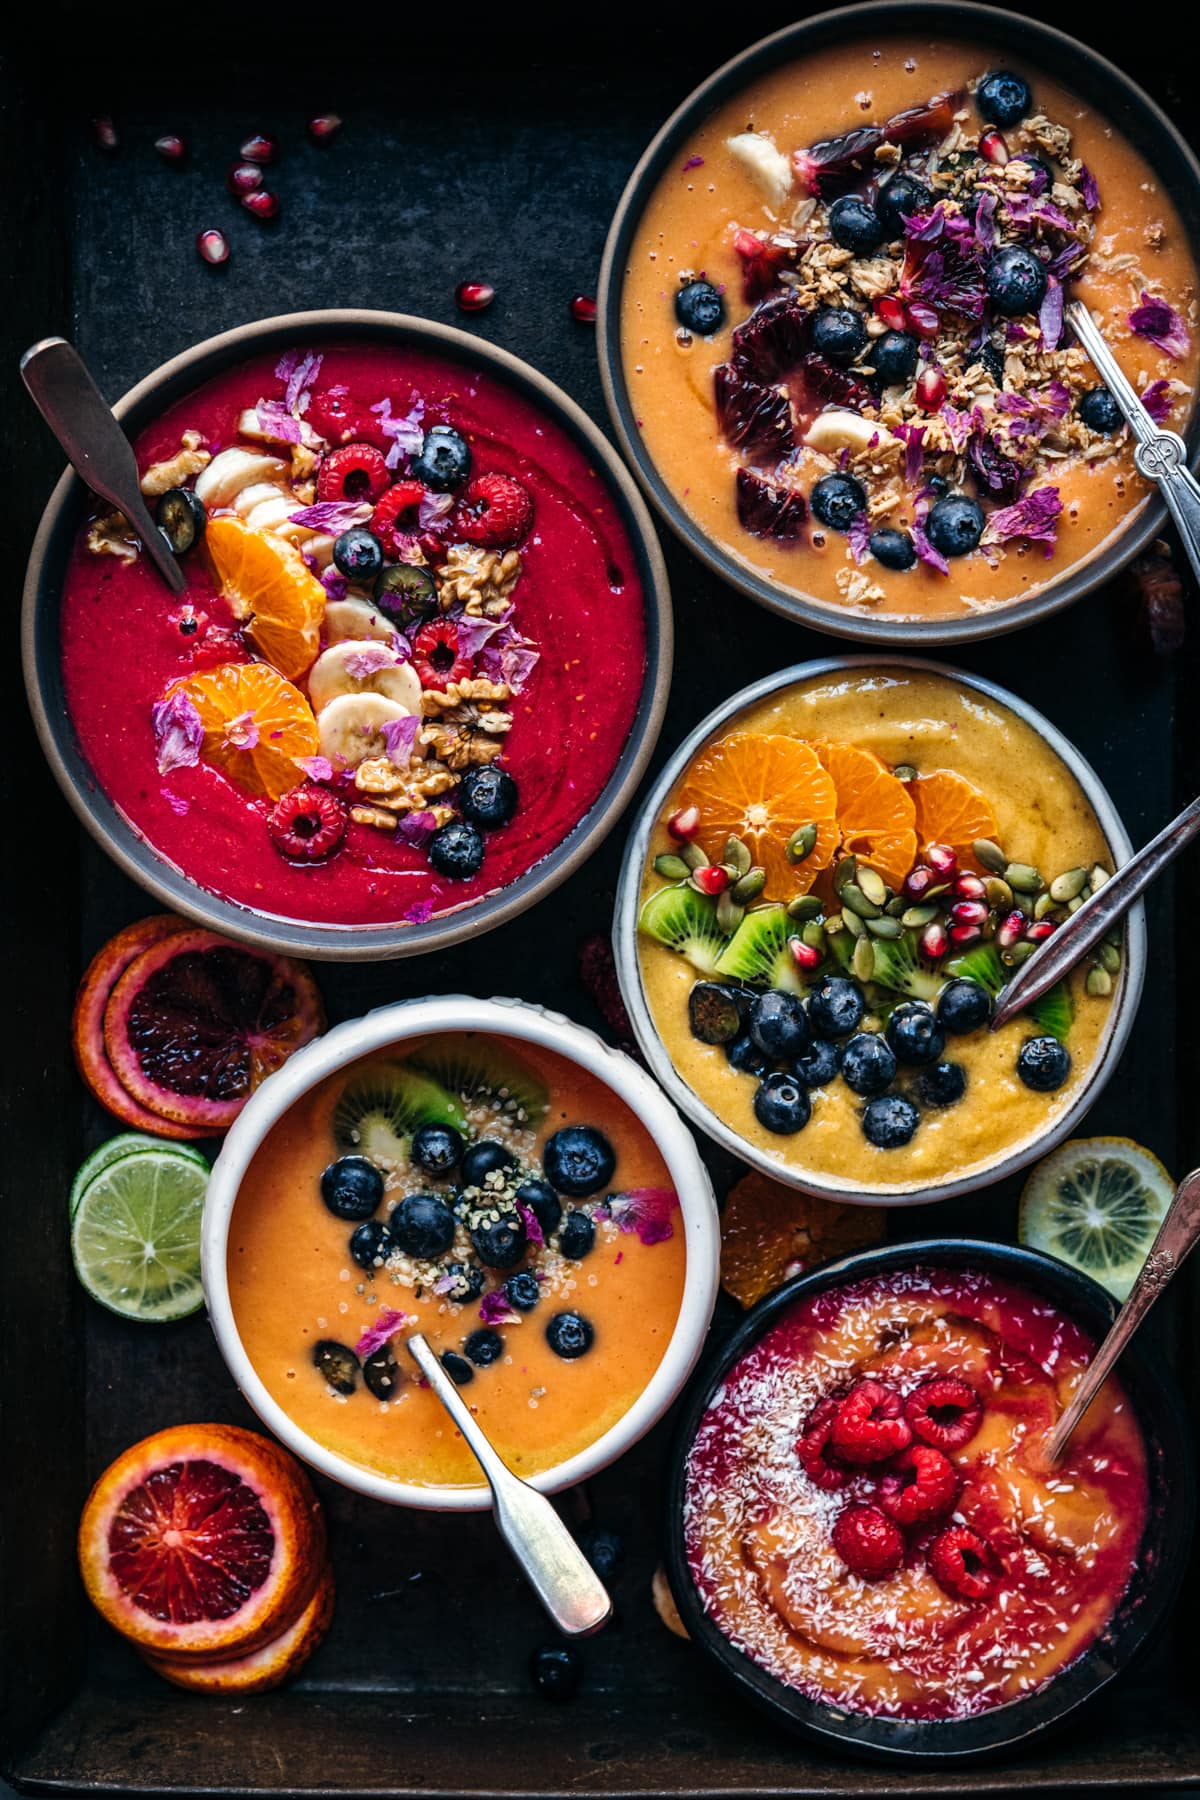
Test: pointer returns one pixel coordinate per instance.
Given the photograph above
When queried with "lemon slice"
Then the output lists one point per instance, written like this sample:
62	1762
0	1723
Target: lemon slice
1097	1203
126	1143
135	1237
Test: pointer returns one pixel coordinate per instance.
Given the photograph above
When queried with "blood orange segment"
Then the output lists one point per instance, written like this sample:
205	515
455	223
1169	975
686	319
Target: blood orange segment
950	811
271	587
256	725
875	812
770	1232
762	787
267	1667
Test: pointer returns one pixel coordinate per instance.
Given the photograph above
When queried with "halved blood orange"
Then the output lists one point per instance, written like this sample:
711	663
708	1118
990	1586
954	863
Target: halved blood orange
270	586
762	787
87	1024
770	1232
195	1023
269	1666
202	1541
951	811
256	725
875	811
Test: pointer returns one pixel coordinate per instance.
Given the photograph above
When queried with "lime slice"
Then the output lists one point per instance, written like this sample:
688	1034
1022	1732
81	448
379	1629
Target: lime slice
135	1236
126	1143
1097	1203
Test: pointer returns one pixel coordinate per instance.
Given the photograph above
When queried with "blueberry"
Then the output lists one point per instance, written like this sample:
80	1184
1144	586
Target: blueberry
437	1148
523	1290
422	1226
487	796
500	1242
855	225
578	1160
837	500
381	1374
700	308
963	1006
868	1065
181	517
369	1243
914	1033
484	1347
955	525
570	1335
483	1159
555	1670
839	334
352	1187
358	554
779	1025
835	1007
444	461
1043	1064
942	1085
1016	281
781	1104
991	355
604	1550
337	1363
895	357
745	1056
890	1122
893	548
405	593
715	1012
818	1064
577	1236
899	198
456	850
457	1367
468	1280
1099	411
1003	98
542	1202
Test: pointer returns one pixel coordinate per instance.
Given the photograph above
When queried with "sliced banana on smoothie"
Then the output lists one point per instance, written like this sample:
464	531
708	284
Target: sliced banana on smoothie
235	469
765	163
354	667
351	727
839	430
351	618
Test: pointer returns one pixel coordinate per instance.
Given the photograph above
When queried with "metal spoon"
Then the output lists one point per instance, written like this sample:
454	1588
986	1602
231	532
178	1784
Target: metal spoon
1095	918
1177	1236
1160	456
97	449
559	1573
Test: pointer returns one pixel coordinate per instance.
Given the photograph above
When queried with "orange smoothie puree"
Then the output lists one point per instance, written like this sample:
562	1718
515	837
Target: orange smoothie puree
614	1258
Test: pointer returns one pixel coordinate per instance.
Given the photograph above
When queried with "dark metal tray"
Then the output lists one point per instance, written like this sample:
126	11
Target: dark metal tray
473	146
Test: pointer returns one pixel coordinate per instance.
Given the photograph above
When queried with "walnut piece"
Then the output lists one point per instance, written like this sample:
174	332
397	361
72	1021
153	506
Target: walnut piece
440	700
374	815
481	579
466	735
113	535
188	460
403	790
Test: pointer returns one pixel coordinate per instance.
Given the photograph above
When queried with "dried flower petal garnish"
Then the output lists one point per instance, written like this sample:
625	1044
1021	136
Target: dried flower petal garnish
242	732
178	732
380	1333
419	913
370	659
510	658
317	768
275	419
1159	400
496	1309
332	515
533	1229
298	370
405	432
433	509
646	1211
1035	517
1157	321
334	582
399	735
416	829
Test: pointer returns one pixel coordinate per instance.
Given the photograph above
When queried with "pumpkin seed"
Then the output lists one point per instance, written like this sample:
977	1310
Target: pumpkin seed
1099	982
1068	885
832	926
805	906
694	856
1020	953
874	887
897	906
990	855
844	871
904	772
854	925
884	927
1098	877
671	867
935	893
863	960
1074	905
856	900
998	892
1023	878
801	843
729	913
1110	958
1044	904
1024	903
750	886
915	916
737	856
814	935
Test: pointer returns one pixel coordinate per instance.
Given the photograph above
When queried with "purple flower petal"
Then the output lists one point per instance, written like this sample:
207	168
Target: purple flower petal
858	535
533	1229
913	437
380	1333
496	1309
317	768
400	735
473	634
1157	321
274	418
510	658
1088	188
334	582
415	829
985	220
178	732
433	509
1035	517
368	659
331	515
693	162
419	912
1050	313
1158	400
406	432
242	732
647	1211
927	553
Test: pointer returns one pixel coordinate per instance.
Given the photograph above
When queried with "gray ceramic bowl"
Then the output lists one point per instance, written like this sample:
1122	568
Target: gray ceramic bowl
112	831
1133	112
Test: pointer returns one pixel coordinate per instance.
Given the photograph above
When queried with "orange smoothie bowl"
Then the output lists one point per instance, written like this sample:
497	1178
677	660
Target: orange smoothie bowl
863	1531
831	319
493	1176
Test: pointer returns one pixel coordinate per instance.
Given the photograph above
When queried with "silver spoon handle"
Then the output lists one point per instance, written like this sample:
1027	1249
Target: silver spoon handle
560	1574
1177	1236
96	447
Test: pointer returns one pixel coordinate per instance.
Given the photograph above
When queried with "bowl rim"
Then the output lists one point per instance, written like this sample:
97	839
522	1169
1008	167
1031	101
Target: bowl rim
1076	1294
392	1025
628	966
959	19
137	857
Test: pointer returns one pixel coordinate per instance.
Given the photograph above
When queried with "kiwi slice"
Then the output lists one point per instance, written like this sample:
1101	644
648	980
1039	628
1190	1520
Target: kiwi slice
1054	1013
840	947
378	1111
982	964
758	951
900	966
686	921
478	1068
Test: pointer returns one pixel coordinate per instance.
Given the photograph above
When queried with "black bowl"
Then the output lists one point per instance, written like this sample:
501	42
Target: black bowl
1134	114
1153	1586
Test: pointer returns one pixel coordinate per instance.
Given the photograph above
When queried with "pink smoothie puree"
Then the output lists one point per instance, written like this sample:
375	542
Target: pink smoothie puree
561	587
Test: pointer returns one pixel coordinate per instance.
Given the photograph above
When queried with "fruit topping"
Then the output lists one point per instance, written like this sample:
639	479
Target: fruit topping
894	356
556	1671
1016	281
396	518
1098	410
891	547
944	1084
437	658
838	500
578	1160
715	1012
818	1459
437	1148
769	509
920	1485
1043	1064
181	517
487	797
422	1226
523	1290
542	1201
381	1107
869	1425
443	462
961	1563
931	388
914	1033
855	225
944	1411
890	1122
486	1157
779	1025
839	334
761	259
381	1373
457	1368
782	1104
495	510
570	1335
352	1188
818	1064
358	554
868	1065
577	1236
685	921
269	586
835	1007
336	1364
484	1347
456	850
700	308
760	952
836	163
1003	98
405	594
867	1541
750	416
353	472
307	824
369	1244
955	525
900	197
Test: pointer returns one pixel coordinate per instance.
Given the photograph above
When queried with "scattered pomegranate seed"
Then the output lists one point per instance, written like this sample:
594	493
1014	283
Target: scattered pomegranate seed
931	387
993	147
105	132
922	319
212	246
969	887
583	308
1011	929
804	956
1039	931
262	204
935	941
473	296
171	147
962	935
941	859
685	823
890	311
968	912
918	881
244	178
322	128
712	879
259	149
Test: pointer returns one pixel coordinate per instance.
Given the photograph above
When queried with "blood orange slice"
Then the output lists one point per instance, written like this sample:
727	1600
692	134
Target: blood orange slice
195	1023
267	1667
875	811
202	1541
256	725
270	586
951	811
761	787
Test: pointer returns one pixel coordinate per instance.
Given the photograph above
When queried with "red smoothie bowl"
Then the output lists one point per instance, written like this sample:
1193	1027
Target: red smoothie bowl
468	753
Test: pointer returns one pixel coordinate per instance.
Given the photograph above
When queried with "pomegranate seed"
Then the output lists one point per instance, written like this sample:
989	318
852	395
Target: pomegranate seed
712	879
322	128
993	147
962	935
931	387
261	204
105	132
917	881
922	319
171	147
941	859
804	956
1011	929
890	311
1039	931
259	149
473	296
243	178
685	823
968	912
969	887
212	246
583	308
935	941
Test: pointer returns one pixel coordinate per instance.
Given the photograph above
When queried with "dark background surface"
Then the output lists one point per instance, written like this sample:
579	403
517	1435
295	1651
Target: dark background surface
475	145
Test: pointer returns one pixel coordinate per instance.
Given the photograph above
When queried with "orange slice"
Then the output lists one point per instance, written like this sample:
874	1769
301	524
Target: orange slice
770	1232
875	811
269	584
255	723
951	811
761	788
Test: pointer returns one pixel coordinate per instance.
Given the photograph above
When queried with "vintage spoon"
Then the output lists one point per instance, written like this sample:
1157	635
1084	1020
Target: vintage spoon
561	1576
97	449
1098	914
1177	1236
1160	456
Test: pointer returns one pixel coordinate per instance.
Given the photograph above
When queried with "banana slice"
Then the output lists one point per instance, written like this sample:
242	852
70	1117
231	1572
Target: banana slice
351	727
334	674
270	515
356	619
767	164
234	469
266	431
835	431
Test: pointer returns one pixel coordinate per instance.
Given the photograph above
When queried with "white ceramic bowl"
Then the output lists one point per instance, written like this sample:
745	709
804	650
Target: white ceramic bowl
391	1025
1125	999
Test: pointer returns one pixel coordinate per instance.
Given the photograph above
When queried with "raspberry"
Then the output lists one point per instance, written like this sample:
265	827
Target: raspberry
921	1485
218	644
868	1427
944	1411
307	824
395	520
961	1563
355	472
495	510
813	1448
436	657
335	417
868	1543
